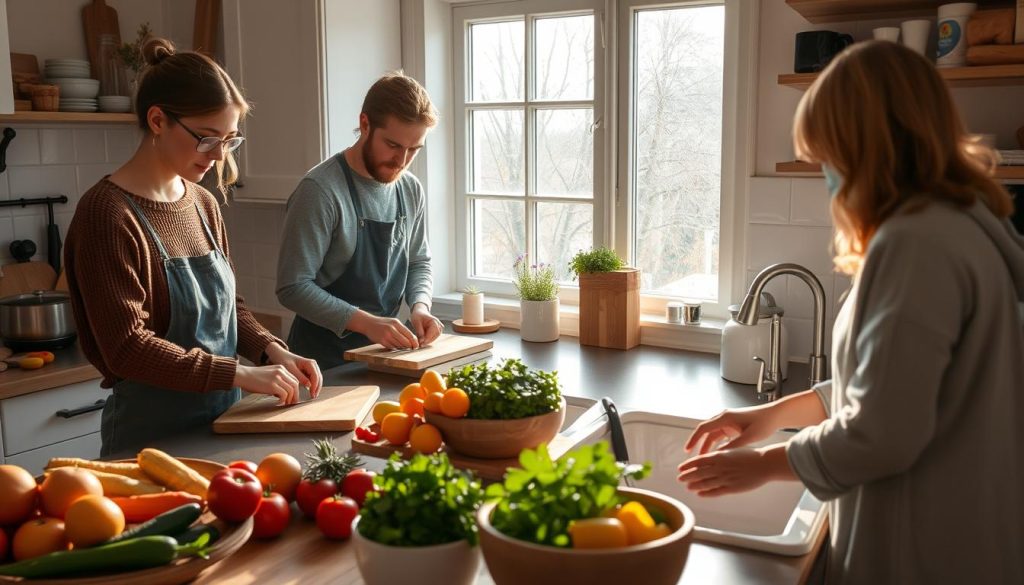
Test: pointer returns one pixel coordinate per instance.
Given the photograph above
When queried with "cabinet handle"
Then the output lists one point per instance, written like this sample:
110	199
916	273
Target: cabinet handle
68	413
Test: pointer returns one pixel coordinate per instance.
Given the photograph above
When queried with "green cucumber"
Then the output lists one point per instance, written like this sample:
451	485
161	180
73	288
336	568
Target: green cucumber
170	522
193	533
134	554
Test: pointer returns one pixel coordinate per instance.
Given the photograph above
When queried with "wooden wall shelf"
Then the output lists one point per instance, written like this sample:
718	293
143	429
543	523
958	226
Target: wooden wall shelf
981	76
818	11
68	118
1005	173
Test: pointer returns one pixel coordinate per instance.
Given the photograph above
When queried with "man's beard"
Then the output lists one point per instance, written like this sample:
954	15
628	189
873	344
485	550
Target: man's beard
381	172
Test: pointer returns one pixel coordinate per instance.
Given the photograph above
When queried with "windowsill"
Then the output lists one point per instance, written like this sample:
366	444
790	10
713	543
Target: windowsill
655	330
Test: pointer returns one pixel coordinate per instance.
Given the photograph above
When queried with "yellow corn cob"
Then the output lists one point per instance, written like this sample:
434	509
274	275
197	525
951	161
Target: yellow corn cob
171	473
131	470
120	485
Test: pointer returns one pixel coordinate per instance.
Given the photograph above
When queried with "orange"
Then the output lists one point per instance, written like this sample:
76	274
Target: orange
425	439
413	407
63	486
455	403
18	492
39	537
598	533
281	473
91	520
384	408
433	402
413	390
396	427
432	382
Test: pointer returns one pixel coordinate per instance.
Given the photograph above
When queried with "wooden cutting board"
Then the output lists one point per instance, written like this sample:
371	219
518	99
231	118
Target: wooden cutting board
492	469
25	277
338	408
204	30
98	19
444	349
442	368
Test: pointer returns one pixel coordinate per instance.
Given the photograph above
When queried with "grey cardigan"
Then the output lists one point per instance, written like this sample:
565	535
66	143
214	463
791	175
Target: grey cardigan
922	458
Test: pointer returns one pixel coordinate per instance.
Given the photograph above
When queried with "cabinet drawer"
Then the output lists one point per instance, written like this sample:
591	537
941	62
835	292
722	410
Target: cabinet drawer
87	447
50	416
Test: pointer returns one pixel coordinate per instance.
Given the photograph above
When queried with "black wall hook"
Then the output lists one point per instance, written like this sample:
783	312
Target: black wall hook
9	135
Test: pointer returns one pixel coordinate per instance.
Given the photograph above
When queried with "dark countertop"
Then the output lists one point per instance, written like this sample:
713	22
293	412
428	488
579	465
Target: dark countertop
68	367
664	380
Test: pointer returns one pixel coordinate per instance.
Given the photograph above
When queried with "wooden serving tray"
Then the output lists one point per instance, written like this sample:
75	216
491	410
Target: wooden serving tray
444	349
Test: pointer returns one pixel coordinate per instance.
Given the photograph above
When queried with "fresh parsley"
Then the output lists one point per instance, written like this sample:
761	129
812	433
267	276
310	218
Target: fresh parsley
538	502
420	502
508	391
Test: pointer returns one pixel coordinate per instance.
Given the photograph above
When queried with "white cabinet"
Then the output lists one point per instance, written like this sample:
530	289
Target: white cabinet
273	51
61	421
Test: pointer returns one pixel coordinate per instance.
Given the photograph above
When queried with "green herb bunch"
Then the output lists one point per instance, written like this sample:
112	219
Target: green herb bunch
508	391
131	53
471	290
538	502
420	502
596	260
534	282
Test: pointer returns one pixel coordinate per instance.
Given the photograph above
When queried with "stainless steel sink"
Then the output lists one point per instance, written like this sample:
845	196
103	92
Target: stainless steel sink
780	517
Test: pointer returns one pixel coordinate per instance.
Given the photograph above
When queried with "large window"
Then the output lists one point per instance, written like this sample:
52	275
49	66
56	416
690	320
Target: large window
538	172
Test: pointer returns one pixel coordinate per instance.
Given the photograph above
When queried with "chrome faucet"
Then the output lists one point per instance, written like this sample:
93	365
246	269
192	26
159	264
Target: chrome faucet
769	384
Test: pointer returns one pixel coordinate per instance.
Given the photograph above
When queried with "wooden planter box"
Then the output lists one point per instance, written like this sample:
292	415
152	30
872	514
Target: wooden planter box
610	309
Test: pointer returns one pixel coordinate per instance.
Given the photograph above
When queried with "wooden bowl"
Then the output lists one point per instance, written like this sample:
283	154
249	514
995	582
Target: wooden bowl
659	562
497	439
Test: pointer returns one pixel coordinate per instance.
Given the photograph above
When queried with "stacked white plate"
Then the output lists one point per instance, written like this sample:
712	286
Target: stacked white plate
115	103
78	105
66	68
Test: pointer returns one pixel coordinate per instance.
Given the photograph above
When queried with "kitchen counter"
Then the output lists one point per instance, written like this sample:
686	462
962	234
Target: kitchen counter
68	367
669	381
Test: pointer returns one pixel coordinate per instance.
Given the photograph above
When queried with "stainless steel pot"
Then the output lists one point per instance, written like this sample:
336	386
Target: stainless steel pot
40	316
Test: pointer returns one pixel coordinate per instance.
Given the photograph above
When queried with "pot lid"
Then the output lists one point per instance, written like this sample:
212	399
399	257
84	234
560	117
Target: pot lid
39	297
765	309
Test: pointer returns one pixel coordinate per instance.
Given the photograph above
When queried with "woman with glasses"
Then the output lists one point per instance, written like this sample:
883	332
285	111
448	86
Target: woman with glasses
147	262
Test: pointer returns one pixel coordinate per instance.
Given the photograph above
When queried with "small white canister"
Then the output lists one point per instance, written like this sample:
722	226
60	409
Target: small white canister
953	33
740	343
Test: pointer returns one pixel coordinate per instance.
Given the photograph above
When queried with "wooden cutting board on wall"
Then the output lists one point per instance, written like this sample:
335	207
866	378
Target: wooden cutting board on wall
98	19
25	277
444	349
338	408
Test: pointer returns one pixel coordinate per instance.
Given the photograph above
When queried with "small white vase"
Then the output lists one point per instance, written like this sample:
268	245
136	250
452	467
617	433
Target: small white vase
539	320
472	308
454	563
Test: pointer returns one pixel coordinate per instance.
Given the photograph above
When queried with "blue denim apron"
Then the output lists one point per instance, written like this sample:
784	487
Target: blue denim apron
373	281
202	295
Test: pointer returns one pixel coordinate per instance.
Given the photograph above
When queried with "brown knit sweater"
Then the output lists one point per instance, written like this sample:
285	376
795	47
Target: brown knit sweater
119	289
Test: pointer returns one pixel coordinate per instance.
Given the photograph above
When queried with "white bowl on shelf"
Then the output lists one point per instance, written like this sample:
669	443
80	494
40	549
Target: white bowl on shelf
66	72
114	103
76	88
71	62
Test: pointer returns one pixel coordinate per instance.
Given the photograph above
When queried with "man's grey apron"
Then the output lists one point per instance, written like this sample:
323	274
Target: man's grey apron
202	295
373	281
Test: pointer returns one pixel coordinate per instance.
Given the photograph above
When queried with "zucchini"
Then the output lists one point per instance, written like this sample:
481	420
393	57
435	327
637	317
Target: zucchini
192	534
170	522
134	554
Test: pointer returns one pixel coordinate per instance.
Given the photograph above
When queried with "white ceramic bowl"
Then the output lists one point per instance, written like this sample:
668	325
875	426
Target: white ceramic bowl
114	103
72	62
455	563
76	88
67	72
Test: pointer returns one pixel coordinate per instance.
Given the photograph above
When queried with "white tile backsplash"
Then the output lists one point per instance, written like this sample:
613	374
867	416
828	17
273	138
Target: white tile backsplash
265	261
6	235
268	224
24	148
769	200
809	204
266	294
56	147
90	145
31	228
42	181
90	174
121	144
807	246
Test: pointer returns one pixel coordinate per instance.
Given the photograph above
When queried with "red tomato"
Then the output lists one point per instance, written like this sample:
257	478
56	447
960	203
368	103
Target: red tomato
309	495
242	464
234	494
357	484
272	516
334	517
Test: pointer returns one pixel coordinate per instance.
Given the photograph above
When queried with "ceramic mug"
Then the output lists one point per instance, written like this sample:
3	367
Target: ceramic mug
816	48
887	33
915	34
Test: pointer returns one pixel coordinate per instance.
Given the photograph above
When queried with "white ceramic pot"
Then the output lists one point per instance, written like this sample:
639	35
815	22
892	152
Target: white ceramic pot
740	343
952	24
472	308
454	563
539	320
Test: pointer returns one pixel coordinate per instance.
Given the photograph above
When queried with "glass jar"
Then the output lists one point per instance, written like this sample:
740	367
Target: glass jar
112	77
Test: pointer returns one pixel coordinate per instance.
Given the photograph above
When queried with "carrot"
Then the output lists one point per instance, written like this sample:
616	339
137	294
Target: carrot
143	508
131	470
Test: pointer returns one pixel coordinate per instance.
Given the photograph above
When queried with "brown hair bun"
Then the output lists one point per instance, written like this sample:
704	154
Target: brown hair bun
156	50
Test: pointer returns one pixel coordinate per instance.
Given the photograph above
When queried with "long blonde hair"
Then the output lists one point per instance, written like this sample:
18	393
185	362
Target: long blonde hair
882	117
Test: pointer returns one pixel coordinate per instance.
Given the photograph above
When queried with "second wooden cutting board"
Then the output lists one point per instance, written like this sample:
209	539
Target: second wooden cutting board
444	349
336	409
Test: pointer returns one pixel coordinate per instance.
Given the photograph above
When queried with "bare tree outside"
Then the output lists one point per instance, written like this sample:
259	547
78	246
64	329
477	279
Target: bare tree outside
677	146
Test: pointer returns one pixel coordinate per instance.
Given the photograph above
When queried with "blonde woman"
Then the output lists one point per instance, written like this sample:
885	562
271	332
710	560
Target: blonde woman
917	441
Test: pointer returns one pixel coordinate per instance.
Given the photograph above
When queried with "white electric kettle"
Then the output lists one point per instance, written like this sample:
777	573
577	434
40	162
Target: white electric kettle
740	343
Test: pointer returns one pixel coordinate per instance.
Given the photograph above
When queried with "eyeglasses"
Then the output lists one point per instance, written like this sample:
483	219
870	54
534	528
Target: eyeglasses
208	143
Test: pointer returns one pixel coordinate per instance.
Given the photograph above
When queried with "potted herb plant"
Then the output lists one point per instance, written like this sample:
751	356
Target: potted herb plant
537	288
556	522
511	408
419	527
472	306
609	299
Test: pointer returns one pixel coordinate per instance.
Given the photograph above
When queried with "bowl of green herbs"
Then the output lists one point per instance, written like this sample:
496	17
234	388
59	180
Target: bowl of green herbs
511	408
